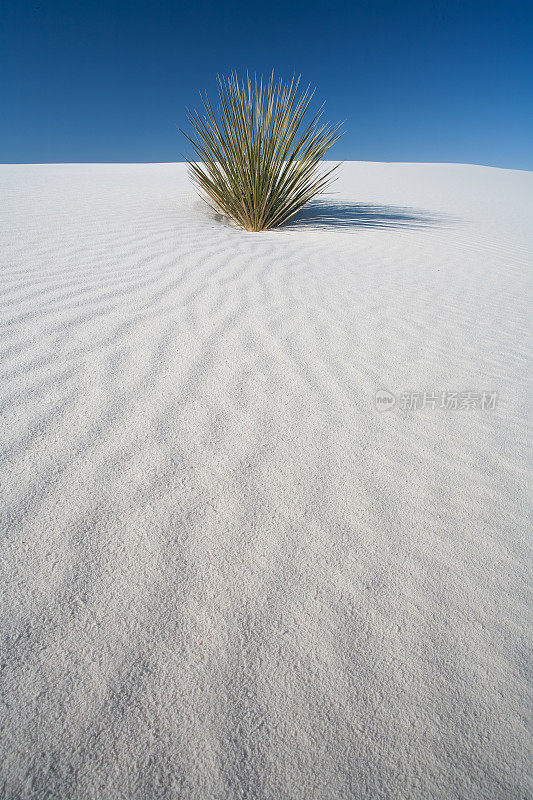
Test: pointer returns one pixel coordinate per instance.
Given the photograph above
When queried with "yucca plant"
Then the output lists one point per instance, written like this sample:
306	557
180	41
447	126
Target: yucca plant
258	159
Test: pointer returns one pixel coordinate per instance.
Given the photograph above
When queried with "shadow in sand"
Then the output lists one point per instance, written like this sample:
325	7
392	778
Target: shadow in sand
331	214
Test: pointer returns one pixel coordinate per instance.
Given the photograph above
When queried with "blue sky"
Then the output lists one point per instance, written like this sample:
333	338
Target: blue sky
414	81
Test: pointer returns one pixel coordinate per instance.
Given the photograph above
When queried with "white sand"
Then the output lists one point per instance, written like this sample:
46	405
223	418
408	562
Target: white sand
225	574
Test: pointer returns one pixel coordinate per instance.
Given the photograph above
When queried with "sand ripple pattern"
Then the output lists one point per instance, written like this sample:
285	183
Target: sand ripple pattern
225	574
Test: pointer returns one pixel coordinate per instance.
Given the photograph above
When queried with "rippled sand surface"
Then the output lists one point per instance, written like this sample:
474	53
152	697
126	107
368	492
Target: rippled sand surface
226	574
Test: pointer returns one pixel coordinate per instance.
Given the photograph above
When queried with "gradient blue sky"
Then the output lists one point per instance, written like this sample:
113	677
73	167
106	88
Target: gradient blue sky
414	81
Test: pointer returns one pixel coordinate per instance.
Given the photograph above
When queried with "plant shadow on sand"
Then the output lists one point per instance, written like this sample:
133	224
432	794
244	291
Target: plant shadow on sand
332	215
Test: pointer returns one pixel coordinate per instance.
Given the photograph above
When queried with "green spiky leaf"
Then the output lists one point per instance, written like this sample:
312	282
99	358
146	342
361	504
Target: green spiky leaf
257	157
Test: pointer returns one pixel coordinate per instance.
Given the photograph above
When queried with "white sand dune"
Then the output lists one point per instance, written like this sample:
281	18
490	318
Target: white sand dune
225	573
